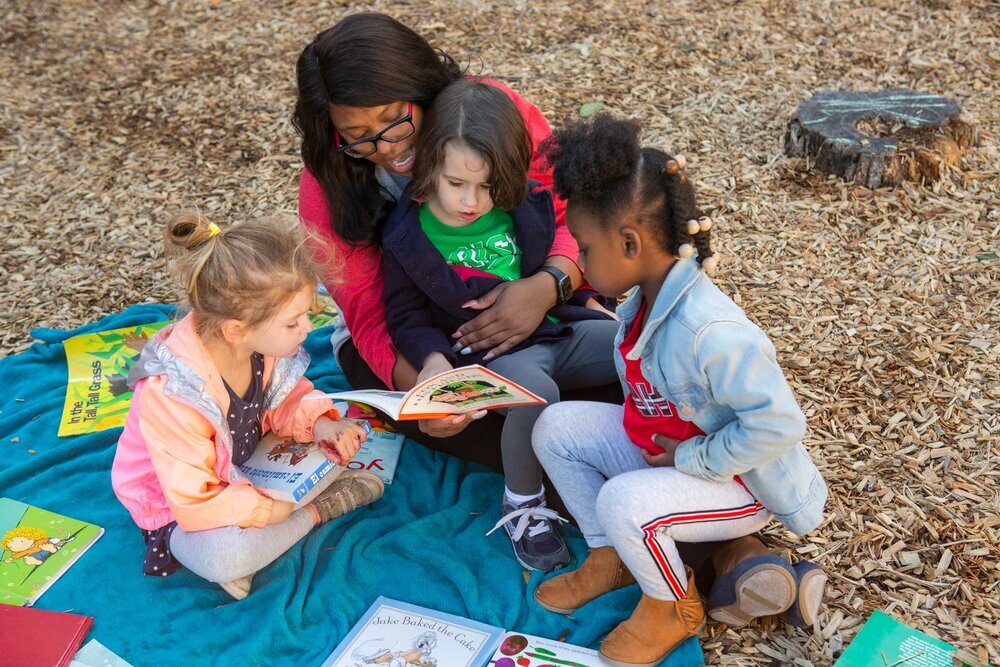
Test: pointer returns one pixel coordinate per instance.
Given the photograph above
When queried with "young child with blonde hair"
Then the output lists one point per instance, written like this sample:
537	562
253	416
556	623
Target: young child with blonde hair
209	386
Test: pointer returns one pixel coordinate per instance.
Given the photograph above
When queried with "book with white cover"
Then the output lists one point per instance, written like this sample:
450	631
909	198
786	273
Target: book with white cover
393	632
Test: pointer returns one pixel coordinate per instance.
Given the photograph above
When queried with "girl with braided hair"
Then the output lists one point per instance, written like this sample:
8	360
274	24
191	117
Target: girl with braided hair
708	445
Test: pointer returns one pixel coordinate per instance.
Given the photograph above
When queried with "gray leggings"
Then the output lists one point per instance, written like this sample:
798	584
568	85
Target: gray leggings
584	360
231	552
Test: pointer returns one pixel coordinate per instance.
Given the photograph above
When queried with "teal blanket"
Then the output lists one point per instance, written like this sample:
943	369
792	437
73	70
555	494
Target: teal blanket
423	543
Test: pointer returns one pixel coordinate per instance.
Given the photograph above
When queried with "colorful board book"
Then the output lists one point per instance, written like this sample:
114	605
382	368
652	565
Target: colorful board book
32	637
97	396
885	641
454	392
394	632
36	548
518	649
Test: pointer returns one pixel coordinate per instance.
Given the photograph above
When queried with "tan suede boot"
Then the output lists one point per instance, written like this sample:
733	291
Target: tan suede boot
601	573
655	628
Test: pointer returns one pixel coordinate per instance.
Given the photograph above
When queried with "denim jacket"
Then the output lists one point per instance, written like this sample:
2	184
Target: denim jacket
700	351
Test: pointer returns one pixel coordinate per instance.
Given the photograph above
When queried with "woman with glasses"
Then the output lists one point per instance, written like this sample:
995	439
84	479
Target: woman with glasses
363	87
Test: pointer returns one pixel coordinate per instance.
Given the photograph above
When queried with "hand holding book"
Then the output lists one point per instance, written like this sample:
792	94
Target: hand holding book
445	427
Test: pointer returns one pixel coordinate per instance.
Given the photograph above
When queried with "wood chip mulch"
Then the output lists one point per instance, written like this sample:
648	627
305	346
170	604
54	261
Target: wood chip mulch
882	304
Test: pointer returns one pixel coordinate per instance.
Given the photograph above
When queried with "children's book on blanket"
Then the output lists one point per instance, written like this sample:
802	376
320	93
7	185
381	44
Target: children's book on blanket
297	472
454	392
402	635
36	548
397	633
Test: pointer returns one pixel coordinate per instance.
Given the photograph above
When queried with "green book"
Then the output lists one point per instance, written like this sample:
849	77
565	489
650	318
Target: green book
36	548
885	642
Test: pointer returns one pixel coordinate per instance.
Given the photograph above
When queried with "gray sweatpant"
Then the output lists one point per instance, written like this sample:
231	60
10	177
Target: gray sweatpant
584	360
618	500
231	552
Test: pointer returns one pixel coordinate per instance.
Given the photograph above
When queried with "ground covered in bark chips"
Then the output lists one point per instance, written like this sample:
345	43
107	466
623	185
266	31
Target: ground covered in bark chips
882	305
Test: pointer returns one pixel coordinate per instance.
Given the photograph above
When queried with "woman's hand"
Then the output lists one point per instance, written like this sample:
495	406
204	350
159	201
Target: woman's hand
338	440
512	312
669	447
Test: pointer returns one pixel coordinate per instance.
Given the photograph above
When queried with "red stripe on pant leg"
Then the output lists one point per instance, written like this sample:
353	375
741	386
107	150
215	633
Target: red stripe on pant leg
706	516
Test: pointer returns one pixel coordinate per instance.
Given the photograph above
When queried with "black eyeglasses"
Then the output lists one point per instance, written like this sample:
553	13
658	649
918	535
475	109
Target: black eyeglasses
393	133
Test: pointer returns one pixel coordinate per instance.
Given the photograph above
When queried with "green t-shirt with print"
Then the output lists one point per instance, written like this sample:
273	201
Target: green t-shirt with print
488	244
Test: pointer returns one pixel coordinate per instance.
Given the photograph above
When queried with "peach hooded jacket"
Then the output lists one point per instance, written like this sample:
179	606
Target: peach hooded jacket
174	458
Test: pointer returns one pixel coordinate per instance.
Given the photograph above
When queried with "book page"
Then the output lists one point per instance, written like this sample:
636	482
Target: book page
388	402
462	390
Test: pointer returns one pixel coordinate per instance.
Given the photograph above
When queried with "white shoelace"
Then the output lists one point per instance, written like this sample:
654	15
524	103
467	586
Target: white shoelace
524	516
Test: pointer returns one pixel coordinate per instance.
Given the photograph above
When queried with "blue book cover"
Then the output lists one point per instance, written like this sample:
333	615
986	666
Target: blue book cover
288	470
392	632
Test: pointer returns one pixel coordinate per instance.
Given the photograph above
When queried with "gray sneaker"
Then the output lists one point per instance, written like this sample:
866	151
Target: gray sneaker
347	493
534	531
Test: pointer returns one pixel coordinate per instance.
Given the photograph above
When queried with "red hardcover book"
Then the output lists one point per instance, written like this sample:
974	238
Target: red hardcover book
31	637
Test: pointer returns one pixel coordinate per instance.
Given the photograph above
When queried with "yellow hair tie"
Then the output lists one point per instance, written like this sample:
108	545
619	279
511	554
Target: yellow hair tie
213	229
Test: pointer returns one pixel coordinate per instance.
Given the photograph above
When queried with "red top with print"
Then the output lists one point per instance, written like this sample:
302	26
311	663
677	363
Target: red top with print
647	413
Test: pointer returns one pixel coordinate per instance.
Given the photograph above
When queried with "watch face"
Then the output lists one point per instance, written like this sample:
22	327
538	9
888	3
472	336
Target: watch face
565	288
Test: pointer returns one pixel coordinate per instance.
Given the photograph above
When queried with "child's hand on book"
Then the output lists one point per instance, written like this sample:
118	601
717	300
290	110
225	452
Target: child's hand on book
664	458
338	440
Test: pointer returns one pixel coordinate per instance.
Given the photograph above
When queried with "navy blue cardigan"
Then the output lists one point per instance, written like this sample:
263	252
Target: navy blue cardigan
424	295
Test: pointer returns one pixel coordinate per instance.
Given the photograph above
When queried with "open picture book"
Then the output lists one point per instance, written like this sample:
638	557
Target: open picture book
297	472
454	392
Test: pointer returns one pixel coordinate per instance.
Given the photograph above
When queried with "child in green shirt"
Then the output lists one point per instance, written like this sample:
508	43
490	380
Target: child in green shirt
471	221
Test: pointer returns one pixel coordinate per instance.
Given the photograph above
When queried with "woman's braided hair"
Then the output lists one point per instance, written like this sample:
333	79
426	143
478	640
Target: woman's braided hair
599	164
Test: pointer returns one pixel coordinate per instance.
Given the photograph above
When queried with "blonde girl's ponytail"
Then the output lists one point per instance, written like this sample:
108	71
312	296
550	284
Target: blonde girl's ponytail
189	242
243	272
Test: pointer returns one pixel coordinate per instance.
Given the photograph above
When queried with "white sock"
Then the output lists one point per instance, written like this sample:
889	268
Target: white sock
517	499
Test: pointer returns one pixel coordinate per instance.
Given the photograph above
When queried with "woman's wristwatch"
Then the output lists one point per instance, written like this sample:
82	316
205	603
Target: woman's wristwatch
564	286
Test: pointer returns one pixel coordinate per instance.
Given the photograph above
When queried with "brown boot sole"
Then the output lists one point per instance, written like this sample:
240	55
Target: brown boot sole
552	608
654	663
766	590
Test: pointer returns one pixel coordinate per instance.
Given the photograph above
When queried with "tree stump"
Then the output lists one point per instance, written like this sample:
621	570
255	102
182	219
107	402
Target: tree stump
879	138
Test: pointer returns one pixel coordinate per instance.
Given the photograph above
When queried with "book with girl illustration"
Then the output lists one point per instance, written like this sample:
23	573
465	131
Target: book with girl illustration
36	548
454	392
